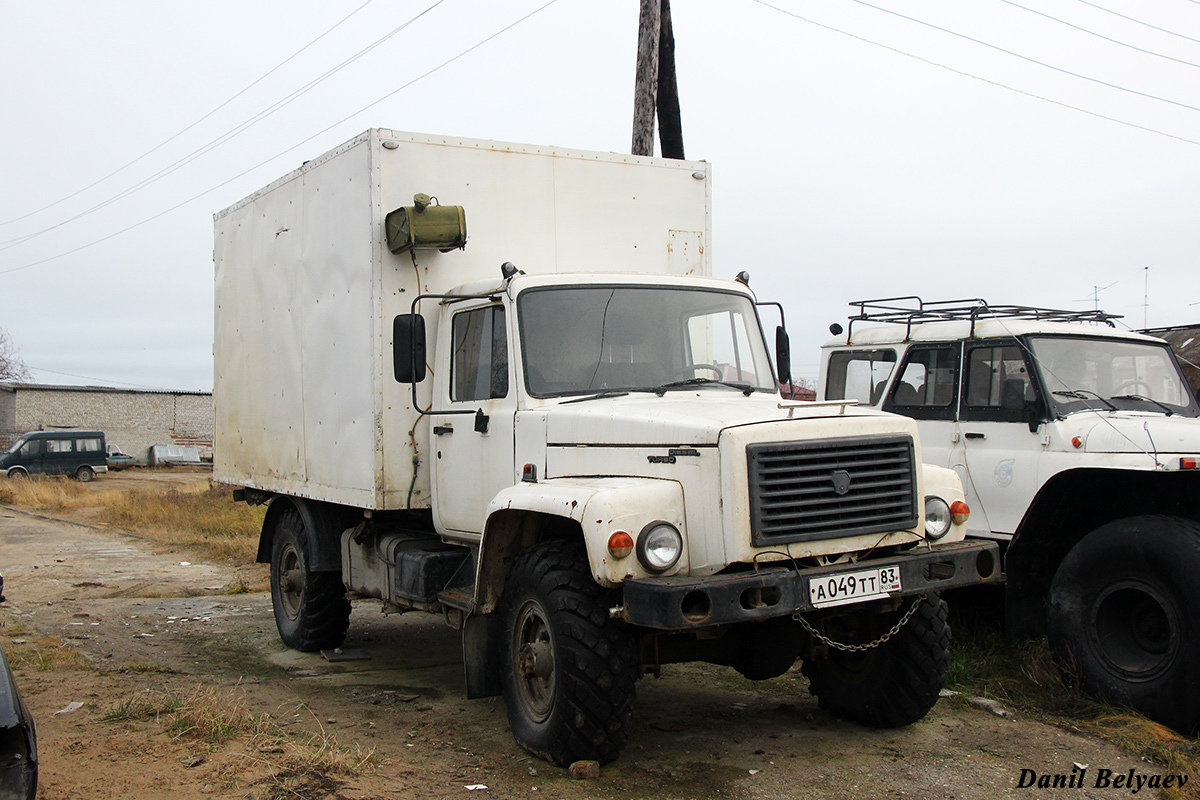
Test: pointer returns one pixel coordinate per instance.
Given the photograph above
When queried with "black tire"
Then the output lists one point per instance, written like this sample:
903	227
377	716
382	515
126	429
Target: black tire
17	472
567	668
84	474
311	609
893	684
1124	617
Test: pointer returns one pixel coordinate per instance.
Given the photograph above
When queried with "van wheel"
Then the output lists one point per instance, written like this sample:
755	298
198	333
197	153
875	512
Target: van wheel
17	472
84	474
1124	617
567	668
891	685
311	609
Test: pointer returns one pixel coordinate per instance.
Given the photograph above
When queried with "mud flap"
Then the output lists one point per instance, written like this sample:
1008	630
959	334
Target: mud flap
481	655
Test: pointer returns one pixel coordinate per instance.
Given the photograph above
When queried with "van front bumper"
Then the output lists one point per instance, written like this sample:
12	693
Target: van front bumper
685	602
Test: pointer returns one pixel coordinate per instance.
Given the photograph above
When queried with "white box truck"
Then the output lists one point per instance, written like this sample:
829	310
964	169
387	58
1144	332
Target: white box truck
583	460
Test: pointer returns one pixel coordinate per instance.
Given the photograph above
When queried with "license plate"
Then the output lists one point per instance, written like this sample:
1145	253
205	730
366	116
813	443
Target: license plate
853	587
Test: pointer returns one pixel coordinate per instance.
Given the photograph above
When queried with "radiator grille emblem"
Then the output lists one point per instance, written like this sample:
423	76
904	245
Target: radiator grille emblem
841	481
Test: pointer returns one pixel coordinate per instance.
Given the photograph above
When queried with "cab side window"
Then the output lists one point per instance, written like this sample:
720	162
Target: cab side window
479	359
998	385
31	448
927	384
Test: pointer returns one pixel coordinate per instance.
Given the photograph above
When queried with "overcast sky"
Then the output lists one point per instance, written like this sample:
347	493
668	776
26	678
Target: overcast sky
856	153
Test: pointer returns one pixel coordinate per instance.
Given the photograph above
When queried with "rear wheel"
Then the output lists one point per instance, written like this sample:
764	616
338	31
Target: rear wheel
893	684
311	609
568	669
1123	619
84	474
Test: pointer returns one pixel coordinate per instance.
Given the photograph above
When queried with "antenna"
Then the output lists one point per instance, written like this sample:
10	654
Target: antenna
1146	300
1095	298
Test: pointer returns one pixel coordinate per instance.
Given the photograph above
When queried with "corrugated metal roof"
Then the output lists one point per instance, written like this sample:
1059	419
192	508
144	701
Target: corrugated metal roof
50	387
1185	341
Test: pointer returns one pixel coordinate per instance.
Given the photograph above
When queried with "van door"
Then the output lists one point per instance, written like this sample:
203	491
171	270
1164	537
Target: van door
60	457
1002	454
927	389
29	456
473	452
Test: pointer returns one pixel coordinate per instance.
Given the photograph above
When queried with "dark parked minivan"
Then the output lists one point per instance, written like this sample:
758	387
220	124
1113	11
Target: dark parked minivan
78	453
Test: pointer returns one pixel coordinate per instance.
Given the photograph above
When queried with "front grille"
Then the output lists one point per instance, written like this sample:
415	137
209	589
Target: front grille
805	491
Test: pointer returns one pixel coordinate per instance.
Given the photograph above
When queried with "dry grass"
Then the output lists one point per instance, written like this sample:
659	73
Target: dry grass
42	653
206	521
293	765
1022	675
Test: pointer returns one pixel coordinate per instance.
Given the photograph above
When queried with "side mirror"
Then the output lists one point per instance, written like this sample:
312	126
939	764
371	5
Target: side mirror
408	348
783	355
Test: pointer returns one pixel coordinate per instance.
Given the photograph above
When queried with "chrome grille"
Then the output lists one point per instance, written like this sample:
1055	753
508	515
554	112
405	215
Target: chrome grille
804	491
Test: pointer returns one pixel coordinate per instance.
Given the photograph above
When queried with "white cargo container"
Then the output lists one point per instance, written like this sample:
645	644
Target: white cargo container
307	290
585	463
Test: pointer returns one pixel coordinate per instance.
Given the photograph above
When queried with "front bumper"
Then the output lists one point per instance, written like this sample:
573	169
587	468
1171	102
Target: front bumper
684	603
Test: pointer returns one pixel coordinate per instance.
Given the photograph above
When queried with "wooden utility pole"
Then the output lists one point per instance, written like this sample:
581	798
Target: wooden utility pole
655	87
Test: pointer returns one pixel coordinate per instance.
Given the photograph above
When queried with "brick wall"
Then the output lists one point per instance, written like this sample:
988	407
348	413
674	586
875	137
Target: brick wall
132	420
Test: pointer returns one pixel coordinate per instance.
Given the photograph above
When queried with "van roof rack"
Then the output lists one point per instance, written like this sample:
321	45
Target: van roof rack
911	309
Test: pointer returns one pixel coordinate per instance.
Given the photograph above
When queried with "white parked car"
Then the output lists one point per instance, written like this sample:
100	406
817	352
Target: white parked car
1078	446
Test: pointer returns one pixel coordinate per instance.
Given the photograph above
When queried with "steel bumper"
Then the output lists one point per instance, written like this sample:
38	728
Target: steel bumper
684	602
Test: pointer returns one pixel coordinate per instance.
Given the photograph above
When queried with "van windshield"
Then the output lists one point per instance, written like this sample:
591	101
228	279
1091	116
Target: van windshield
587	339
12	448
1114	374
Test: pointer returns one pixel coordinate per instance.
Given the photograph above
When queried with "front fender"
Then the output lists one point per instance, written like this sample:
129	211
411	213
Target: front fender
944	483
598	506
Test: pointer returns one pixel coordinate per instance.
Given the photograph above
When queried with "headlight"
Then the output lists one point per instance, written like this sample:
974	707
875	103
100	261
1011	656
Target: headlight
659	546
937	518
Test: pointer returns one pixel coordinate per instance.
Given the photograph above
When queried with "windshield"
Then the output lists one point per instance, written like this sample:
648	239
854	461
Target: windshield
1088	373
590	339
12	448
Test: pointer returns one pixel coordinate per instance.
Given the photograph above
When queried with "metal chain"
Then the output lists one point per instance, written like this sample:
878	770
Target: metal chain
858	648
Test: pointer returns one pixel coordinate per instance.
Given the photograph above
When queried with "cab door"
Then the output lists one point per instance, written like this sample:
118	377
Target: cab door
1002	453
473	425
926	388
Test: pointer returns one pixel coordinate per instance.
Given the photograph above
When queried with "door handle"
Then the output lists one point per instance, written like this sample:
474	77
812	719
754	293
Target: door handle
438	430
976	436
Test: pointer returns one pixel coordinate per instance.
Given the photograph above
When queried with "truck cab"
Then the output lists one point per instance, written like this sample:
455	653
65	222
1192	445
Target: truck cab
1078	445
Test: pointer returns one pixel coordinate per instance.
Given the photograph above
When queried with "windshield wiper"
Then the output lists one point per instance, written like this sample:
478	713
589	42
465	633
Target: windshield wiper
597	396
744	388
1081	394
1166	410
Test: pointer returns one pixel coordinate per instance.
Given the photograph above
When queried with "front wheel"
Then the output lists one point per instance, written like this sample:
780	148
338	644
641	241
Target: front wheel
1124	622
568	669
311	609
893	684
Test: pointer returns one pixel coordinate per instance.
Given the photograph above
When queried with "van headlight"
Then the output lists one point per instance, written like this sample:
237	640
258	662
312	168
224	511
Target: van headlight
659	546
937	518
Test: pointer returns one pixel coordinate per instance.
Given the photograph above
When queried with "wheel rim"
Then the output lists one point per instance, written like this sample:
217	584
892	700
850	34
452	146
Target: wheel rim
1135	630
533	661
290	581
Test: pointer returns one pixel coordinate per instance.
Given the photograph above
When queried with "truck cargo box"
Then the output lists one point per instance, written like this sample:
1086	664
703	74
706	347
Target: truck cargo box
307	288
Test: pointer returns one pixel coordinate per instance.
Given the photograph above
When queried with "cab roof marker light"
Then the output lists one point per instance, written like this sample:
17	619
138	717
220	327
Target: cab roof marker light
1189	462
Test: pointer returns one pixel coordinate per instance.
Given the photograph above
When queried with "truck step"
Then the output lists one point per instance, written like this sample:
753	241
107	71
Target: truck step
460	598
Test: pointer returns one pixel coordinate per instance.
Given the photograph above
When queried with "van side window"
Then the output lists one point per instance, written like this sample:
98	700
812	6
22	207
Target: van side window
998	384
479	359
859	375
60	445
87	445
31	448
927	385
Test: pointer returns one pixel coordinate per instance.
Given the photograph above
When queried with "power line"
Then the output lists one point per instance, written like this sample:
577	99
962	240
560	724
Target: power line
420	77
999	49
1138	21
167	141
225	137
1100	35
965	74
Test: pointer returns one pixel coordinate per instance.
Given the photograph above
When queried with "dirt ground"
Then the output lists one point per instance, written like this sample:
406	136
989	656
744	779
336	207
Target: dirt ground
147	621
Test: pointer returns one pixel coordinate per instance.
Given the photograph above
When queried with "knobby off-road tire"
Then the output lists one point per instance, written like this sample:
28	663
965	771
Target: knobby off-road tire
893	684
1124	617
568	669
311	609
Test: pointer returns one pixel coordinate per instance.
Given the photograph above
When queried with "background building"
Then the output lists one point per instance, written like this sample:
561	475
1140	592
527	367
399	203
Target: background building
133	420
